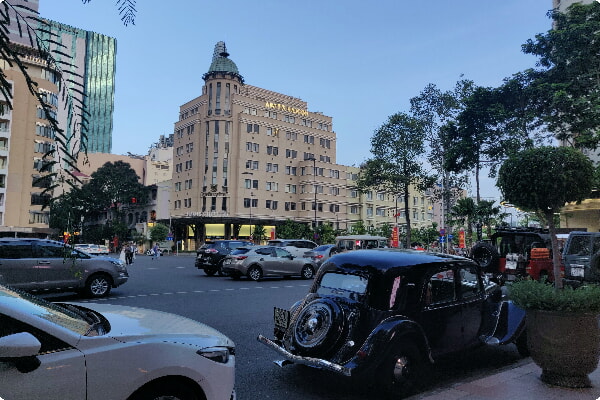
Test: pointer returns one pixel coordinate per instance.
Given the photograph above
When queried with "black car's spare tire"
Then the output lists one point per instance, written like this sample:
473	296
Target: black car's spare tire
318	327
486	255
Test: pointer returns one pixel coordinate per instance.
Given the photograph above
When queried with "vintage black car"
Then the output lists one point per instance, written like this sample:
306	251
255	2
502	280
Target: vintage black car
386	314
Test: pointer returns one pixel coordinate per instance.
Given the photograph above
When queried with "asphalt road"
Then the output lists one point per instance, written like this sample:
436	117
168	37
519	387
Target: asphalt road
242	309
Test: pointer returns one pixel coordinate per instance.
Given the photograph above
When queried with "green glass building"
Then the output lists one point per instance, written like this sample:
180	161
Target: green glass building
93	66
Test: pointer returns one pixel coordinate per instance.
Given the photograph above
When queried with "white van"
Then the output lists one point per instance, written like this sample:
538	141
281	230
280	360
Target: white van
356	242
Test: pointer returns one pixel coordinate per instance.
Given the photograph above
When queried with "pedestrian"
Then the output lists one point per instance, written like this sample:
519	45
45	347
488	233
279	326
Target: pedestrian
128	254
133	251
122	255
155	251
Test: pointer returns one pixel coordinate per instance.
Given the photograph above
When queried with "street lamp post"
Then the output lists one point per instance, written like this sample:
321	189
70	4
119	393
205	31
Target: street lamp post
314	160
251	195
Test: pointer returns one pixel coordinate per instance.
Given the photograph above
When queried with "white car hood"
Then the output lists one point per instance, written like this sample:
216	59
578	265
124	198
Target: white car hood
132	324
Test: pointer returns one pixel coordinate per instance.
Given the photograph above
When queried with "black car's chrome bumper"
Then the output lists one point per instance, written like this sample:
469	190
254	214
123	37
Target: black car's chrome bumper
310	361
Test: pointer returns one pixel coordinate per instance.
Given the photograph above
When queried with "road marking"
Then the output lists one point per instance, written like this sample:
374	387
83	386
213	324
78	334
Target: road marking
186	292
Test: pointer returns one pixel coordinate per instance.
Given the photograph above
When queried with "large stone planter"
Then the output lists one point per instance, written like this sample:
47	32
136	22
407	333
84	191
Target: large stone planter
565	345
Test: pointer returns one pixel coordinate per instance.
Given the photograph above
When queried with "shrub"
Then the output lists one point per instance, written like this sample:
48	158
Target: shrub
536	295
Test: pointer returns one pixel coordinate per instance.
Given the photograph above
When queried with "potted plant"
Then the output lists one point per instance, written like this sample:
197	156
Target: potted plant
562	329
562	323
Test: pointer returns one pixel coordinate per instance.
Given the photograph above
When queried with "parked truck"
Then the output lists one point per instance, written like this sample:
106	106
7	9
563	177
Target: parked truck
516	252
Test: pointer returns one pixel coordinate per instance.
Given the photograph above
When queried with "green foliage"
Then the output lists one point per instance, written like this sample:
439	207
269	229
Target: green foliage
114	183
358	228
536	295
545	178
426	235
397	164
326	234
294	230
564	88
259	233
384	230
159	232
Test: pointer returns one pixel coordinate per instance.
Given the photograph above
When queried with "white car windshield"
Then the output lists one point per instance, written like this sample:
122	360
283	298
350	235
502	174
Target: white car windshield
32	305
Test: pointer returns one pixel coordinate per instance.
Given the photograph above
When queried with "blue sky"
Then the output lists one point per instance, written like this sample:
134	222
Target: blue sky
356	61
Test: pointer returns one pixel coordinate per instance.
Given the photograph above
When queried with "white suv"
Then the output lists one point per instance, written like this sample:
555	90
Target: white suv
295	246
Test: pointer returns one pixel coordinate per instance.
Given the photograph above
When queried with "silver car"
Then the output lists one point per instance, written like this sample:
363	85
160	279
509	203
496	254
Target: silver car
72	351
321	253
256	262
48	265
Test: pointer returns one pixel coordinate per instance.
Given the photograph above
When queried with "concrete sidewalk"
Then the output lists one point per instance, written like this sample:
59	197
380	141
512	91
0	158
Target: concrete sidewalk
520	382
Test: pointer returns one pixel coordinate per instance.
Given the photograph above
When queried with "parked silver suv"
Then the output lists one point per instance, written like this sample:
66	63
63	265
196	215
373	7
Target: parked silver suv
40	264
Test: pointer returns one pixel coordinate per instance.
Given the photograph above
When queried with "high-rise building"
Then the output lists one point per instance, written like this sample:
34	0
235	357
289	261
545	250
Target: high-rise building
562	5
26	135
92	59
246	156
18	34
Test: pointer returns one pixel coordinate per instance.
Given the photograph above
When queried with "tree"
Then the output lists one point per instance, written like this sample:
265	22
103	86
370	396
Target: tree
396	166
543	179
358	228
113	185
464	213
325	233
427	235
293	230
436	112
489	215
565	88
159	232
259	233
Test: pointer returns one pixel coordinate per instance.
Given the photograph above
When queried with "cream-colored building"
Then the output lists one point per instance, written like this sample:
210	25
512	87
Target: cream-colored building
244	156
25	136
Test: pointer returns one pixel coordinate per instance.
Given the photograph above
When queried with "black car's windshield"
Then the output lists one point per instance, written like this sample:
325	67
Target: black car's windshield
335	283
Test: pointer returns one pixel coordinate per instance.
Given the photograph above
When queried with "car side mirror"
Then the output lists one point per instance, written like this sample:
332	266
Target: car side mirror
21	349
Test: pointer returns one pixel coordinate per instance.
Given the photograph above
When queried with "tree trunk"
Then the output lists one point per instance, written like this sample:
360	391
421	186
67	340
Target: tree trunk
477	170
556	259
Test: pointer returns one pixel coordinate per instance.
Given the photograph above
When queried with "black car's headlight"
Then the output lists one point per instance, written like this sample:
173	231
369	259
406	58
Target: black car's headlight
217	354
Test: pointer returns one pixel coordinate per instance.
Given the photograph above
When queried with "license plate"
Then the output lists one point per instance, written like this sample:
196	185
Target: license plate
577	271
511	264
281	318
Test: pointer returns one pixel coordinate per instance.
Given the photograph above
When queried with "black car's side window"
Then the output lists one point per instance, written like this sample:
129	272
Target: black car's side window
469	283
440	288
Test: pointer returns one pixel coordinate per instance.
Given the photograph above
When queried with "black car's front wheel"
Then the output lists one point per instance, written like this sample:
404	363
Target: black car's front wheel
402	372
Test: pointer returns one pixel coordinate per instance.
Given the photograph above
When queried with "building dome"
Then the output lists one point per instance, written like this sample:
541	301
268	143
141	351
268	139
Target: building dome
221	64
